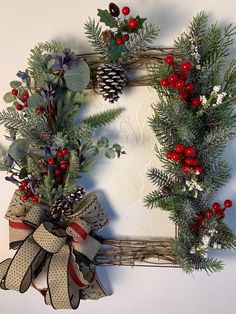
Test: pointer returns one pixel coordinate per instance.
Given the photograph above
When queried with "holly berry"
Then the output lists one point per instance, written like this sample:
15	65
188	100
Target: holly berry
195	228
175	156
179	84
200	219
183	76
173	78
114	9
179	148
14	91
186	169
58	179
50	162
133	23
60	154
189	161
172	84
25	197
228	203
216	206
39	110
189	151
125	11
164	82
169	59
63	164
25	96
24	183
19	107
186	66
57	172
196	101
183	95
125	37
195	161
198	170
189	87
35	199
65	151
208	213
119	41
169	155
21	188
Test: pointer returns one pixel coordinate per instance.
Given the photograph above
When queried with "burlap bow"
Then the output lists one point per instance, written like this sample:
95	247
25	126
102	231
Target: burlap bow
41	243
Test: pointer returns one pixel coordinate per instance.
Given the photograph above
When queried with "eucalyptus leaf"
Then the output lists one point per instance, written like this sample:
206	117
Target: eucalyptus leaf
103	141
3	167
78	78
9	97
15	84
36	100
110	153
93	151
17	150
10	109
107	18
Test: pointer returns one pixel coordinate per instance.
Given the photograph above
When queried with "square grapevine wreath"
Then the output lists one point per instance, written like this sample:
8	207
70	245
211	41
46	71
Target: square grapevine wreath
53	222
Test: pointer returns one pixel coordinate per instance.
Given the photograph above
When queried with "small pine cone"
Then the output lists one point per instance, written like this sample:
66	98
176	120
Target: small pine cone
111	79
166	191
61	209
76	196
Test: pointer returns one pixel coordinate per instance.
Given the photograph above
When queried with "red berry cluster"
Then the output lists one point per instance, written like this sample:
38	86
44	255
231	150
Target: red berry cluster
22	99
27	193
131	23
179	79
60	164
217	211
185	155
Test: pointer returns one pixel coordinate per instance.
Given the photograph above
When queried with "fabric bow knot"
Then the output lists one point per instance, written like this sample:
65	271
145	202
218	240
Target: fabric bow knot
43	244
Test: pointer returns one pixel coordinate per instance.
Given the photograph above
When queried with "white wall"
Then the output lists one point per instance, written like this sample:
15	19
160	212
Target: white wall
138	290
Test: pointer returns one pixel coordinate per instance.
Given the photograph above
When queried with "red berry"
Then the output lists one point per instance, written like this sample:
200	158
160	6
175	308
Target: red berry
60	154
228	203
25	96
125	37
164	82
133	23
35	199
198	169
19	107
114	9
208	213
183	76
25	197
200	219
14	91
195	228
24	183
169	59
189	151
25	105
173	78
189	87
119	41
39	110
21	188
58	179
183	95
125	10
169	155
195	161
63	164
65	151
172	85
175	156
189	161
216	206
50	162
221	214
186	66
179	148
57	172
186	169
196	101
179	84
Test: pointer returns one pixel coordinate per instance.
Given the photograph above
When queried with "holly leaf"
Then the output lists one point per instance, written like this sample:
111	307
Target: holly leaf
107	18
140	22
23	173
125	27
115	50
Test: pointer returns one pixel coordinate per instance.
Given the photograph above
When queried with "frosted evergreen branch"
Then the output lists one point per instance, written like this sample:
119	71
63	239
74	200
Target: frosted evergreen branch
159	177
103	118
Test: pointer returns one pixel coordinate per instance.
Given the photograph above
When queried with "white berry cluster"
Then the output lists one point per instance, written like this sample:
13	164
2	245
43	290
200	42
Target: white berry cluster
216	98
193	185
205	246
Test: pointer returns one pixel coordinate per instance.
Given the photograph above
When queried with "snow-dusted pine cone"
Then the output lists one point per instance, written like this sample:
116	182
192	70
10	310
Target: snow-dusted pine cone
111	79
63	207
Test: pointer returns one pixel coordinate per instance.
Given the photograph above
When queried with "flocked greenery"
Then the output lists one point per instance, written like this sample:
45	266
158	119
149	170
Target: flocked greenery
43	118
208	128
